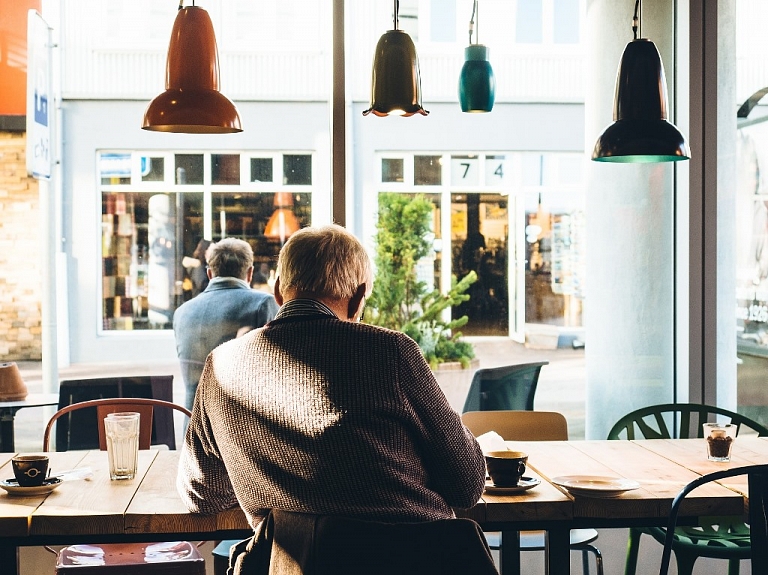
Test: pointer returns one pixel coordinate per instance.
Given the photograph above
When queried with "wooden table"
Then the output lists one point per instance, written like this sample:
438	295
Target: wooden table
8	411
101	511
148	508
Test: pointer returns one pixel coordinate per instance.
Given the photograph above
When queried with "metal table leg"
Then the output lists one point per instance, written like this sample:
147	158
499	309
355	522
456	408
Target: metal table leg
558	554
509	553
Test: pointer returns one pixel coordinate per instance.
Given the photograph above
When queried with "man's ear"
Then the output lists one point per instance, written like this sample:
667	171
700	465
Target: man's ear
249	275
278	295
209	273
356	303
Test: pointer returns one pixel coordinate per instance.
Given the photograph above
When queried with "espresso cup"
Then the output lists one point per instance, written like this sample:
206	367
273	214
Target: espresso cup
506	467
30	470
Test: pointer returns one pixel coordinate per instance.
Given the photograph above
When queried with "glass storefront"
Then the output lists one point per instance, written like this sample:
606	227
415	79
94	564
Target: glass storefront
516	220
158	211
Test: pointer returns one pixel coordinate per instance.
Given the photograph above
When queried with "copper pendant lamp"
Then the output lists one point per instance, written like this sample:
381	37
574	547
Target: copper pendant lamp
477	83
640	131
283	223
395	81
192	102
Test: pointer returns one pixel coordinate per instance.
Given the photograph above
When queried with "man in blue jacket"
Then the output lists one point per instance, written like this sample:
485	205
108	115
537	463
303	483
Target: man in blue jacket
227	308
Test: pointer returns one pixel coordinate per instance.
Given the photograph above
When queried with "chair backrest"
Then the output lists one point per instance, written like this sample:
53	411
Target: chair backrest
518	425
677	420
758	513
75	431
144	406
334	545
504	388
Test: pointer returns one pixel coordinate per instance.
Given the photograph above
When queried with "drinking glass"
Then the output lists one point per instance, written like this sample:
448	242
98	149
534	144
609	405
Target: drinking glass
720	437
122	433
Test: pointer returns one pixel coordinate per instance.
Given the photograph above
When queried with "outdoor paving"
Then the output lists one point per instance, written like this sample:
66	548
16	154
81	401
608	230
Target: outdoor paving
561	383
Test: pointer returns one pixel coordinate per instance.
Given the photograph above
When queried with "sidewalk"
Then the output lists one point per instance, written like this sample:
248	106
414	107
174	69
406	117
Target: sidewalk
561	384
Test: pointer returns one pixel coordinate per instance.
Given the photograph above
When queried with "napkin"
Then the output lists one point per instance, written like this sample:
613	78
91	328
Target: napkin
491	441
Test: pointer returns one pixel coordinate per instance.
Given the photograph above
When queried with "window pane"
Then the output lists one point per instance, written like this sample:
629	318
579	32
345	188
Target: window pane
479	240
115	169
261	170
529	22
264	220
392	170
566	21
297	170
189	169
443	24
144	239
225	169
427	170
152	169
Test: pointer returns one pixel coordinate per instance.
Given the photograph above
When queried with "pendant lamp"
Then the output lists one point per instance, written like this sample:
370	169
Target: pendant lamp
640	131
283	223
395	81
477	84
192	103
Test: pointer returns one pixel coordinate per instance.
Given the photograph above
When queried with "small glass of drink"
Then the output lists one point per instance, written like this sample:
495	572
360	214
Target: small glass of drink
720	438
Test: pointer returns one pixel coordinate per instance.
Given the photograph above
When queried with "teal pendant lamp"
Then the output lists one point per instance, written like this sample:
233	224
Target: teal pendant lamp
477	84
395	81
640	132
192	102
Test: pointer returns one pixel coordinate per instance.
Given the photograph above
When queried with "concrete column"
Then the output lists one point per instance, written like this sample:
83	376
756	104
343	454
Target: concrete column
629	308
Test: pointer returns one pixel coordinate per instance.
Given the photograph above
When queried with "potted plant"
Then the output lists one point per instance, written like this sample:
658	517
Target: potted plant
402	302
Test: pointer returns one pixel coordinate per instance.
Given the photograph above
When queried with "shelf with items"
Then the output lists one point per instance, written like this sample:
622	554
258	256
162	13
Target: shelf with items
124	293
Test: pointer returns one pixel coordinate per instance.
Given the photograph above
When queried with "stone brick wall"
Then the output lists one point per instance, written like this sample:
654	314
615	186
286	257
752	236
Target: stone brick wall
20	258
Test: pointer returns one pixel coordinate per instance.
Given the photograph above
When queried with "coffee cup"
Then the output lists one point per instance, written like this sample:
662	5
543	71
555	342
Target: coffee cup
506	467
30	470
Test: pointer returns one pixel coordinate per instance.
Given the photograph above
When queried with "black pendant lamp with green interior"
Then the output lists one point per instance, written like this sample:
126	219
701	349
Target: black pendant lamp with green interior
640	131
395	81
192	102
477	84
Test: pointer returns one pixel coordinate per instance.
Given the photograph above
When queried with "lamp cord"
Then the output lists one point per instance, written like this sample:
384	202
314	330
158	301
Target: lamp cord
472	24
397	12
635	20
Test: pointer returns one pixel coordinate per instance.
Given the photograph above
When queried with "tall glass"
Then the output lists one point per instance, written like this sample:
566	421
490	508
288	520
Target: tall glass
122	432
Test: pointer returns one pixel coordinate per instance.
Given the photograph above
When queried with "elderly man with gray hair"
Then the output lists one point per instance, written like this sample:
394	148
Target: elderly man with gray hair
318	413
225	309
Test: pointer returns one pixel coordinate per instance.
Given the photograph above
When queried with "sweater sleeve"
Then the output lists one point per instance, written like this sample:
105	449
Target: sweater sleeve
452	456
202	481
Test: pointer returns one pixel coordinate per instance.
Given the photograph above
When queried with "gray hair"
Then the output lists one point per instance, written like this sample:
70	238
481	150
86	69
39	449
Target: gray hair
327	261
230	257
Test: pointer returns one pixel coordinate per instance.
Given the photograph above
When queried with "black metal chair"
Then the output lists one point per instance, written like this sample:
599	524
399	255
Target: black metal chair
724	538
75	430
758	514
511	387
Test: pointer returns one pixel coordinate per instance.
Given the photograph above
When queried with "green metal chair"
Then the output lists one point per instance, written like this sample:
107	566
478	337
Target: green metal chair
717	537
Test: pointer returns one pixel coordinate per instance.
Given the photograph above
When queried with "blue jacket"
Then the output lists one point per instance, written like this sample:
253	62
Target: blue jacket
213	317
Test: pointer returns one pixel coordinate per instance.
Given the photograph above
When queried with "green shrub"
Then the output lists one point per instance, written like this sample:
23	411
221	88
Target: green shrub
399	301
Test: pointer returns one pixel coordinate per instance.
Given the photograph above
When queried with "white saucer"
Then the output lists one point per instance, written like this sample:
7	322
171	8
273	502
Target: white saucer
13	488
595	485
524	484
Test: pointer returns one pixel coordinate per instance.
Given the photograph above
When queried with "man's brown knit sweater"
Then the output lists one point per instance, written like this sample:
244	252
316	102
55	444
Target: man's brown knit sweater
319	415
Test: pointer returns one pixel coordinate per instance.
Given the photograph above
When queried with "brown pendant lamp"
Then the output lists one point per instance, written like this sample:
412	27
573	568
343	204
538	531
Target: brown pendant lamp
283	223
640	131
192	102
395	81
